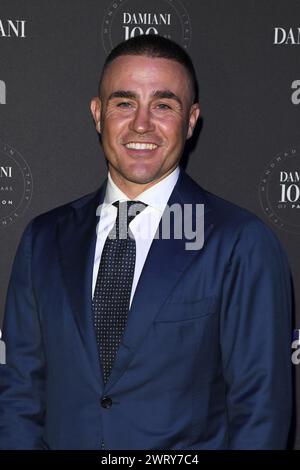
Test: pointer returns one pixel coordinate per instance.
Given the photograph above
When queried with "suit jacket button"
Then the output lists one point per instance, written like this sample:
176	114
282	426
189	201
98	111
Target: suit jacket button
106	402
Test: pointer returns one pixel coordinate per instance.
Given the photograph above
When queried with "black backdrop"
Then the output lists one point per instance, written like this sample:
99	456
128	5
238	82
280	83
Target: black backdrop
246	54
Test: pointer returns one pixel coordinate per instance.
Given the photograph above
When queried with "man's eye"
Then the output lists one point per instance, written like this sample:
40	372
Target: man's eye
124	104
163	106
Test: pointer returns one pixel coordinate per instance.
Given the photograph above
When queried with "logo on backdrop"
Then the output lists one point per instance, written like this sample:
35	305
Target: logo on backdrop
15	185
12	28
279	190
125	19
2	92
286	36
295	97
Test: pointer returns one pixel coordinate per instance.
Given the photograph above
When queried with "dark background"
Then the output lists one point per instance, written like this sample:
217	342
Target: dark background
248	117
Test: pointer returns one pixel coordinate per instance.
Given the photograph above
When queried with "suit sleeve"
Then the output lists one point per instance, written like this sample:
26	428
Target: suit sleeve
255	341
22	378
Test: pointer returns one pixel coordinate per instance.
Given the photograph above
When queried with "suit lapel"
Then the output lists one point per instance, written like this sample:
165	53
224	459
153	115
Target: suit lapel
76	241
165	263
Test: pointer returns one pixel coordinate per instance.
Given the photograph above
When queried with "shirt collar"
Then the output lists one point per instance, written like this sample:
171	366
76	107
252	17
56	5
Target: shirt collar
156	196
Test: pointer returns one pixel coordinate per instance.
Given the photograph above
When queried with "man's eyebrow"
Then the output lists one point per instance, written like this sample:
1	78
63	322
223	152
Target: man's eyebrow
167	94
160	94
122	94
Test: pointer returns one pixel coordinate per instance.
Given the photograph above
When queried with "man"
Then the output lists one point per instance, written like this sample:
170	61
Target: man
164	347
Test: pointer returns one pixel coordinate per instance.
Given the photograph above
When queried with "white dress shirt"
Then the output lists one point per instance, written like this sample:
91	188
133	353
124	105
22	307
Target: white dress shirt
143	226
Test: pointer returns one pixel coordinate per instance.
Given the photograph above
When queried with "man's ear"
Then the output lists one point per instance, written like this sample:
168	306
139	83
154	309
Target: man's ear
193	118
96	112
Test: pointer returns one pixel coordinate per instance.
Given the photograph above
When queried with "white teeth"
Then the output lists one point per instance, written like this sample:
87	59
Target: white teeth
140	146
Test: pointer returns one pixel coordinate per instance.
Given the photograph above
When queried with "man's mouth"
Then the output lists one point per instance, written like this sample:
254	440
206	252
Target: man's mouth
141	145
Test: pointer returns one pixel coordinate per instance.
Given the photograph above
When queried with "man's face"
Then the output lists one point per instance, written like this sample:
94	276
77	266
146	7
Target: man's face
145	114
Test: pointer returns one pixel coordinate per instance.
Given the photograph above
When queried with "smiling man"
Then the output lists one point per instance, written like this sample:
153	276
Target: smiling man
145	113
116	341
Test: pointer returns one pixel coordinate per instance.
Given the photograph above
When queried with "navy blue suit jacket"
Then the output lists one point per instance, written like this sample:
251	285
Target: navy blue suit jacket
205	358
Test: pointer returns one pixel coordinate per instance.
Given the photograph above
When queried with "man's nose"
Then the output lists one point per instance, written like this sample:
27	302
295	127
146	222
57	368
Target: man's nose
142	121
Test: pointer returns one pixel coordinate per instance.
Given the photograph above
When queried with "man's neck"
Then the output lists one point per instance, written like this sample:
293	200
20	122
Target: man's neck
133	190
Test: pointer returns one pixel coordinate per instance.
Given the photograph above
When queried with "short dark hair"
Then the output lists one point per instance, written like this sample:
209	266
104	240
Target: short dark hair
155	46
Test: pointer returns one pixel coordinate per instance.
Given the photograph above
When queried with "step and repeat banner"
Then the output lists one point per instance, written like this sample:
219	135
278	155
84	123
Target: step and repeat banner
247	59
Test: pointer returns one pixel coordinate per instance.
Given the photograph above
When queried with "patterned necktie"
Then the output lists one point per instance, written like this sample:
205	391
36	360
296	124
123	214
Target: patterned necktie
114	282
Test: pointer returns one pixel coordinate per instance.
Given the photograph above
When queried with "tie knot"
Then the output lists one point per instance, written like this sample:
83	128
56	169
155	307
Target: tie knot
127	211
